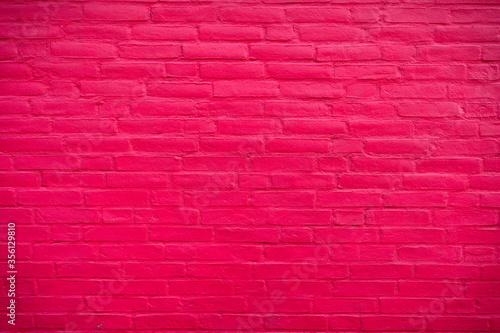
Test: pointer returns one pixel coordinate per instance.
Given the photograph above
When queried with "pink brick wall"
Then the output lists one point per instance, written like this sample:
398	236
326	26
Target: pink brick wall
251	165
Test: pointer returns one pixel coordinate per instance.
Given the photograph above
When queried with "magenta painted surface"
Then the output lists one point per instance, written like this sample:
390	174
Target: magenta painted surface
251	166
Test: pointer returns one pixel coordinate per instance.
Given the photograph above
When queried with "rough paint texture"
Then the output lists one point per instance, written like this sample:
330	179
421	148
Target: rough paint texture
252	165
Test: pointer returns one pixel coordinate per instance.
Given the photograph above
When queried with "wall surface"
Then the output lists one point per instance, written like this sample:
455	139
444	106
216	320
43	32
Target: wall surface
251	165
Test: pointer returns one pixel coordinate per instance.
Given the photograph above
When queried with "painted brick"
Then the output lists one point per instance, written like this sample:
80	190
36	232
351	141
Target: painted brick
252	165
